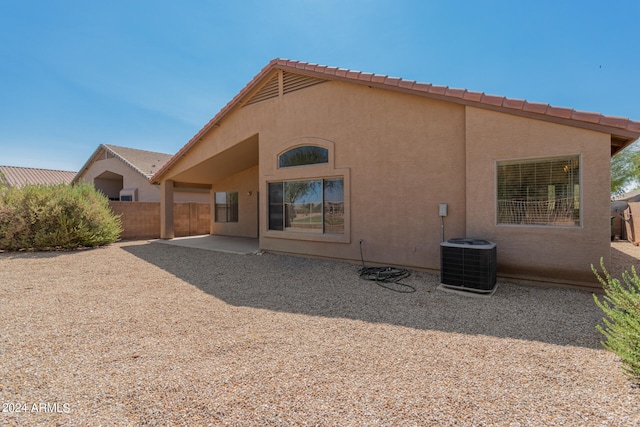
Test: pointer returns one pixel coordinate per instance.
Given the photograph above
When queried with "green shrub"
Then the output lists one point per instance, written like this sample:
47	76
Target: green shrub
621	305
44	217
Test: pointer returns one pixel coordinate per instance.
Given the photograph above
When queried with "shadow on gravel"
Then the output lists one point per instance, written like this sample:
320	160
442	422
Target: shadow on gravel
622	262
29	254
333	289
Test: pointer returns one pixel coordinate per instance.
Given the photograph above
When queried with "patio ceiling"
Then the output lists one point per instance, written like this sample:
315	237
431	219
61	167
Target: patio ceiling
239	157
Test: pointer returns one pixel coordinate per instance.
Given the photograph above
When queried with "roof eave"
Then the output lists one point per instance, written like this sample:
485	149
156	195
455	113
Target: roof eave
88	163
230	106
620	128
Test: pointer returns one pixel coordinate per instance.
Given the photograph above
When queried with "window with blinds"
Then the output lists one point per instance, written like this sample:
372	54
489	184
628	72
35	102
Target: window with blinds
539	191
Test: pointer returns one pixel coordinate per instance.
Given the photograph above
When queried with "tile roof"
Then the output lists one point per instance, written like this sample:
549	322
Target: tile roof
621	128
19	176
144	162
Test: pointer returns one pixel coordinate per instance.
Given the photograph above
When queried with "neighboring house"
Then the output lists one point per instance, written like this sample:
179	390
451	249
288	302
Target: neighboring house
123	174
313	159
631	196
15	176
624	208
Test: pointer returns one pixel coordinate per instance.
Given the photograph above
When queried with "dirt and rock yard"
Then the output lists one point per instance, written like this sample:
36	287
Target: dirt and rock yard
148	334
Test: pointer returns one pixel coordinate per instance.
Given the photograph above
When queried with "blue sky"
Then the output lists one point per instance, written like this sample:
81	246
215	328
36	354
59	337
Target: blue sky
150	74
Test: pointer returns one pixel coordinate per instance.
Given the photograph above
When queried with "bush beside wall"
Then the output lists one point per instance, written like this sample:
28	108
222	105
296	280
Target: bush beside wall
45	217
621	305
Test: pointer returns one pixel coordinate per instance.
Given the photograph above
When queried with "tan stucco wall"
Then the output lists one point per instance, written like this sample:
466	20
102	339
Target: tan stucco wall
402	155
563	253
246	184
198	196
132	179
400	151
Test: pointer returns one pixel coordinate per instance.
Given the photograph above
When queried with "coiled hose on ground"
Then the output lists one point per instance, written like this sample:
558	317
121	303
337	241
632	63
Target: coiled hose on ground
386	277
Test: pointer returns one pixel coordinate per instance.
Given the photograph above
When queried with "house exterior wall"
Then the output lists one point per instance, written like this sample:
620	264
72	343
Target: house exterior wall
246	184
548	253
198	196
109	187
396	152
132	179
402	155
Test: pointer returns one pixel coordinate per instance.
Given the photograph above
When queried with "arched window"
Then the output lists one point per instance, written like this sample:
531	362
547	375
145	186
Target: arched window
305	155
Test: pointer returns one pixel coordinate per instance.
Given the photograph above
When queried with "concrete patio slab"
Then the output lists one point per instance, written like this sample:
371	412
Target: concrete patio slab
229	244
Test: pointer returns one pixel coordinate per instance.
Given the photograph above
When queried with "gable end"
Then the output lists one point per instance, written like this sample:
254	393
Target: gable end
291	82
269	91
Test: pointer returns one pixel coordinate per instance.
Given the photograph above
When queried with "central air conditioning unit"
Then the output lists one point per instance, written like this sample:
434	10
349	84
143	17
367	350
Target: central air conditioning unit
468	264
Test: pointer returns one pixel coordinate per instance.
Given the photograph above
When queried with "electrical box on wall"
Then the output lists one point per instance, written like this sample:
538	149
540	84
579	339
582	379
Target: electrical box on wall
442	209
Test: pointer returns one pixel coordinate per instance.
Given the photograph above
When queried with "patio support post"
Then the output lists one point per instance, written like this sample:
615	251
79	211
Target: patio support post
212	206
166	210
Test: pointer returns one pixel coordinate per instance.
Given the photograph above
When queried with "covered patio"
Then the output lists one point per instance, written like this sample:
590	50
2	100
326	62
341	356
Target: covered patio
228	244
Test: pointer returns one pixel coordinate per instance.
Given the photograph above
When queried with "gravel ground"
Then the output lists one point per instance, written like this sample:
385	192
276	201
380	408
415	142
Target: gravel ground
149	334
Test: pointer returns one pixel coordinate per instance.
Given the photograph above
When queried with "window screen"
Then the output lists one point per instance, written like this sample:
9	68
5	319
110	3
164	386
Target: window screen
276	206
539	192
226	207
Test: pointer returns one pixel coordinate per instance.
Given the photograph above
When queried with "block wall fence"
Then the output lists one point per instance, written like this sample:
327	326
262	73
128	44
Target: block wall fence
141	220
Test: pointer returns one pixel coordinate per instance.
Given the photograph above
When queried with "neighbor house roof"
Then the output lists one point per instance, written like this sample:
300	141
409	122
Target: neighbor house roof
630	196
16	176
144	162
623	131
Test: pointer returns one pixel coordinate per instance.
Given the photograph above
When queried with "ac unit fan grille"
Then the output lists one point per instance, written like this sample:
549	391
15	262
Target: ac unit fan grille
468	267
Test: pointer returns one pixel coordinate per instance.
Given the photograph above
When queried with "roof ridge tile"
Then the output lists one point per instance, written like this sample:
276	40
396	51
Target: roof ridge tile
562	112
422	87
535	107
633	126
392	81
473	96
494	100
438	90
614	121
455	92
586	116
331	70
365	76
408	84
513	103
